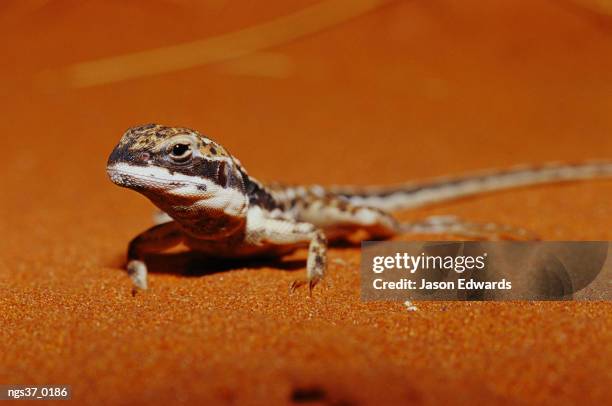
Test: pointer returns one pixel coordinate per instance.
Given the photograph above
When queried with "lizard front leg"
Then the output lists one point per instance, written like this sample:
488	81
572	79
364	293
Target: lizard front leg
316	263
155	239
288	233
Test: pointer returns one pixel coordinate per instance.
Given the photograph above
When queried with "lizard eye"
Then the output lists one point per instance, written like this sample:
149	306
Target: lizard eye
180	152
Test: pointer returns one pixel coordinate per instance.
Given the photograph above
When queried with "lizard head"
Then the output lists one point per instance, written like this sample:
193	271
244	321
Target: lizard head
181	171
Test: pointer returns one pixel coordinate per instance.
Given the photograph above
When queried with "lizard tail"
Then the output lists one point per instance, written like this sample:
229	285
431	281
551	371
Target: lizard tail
411	195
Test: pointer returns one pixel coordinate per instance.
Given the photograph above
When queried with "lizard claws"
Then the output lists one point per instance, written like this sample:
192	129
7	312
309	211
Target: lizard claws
296	284
301	282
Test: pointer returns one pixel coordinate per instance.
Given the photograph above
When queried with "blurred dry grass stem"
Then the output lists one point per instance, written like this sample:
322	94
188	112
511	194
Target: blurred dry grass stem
217	49
258	64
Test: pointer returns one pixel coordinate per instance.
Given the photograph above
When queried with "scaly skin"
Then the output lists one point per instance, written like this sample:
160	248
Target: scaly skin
211	204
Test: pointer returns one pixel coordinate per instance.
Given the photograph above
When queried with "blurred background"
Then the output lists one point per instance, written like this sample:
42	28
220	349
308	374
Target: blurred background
335	91
327	91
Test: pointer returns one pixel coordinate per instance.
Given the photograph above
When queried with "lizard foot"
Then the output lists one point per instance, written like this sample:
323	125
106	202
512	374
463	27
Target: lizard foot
137	270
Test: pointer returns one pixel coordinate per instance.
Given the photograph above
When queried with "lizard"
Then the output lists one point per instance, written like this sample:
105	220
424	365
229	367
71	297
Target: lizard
210	203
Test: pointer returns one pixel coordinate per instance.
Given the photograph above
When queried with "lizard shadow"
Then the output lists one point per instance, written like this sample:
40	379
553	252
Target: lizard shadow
193	264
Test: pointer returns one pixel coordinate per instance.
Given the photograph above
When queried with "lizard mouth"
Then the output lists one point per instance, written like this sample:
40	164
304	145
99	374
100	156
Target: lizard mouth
157	180
160	185
141	179
129	180
137	180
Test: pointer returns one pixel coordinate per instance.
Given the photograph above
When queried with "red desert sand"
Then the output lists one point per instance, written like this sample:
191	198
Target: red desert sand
387	93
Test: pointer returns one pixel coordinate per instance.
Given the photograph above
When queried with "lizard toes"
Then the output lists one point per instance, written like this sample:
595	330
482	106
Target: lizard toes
312	283
301	282
296	284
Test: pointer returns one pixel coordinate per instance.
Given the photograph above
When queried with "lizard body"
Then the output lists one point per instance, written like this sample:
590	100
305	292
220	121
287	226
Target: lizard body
210	203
